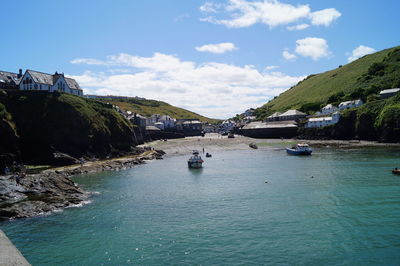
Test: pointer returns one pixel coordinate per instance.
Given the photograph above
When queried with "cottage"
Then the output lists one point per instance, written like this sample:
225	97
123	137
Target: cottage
159	125
329	109
350	104
388	93
168	121
291	115
9	80
34	80
323	121
274	117
138	120
249	112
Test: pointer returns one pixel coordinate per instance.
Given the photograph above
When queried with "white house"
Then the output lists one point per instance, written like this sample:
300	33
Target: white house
227	125
323	121
388	93
329	109
249	112
350	104
159	125
34	80
168	121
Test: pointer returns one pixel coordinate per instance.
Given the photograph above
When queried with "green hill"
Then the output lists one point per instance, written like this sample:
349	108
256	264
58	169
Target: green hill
363	78
149	107
42	126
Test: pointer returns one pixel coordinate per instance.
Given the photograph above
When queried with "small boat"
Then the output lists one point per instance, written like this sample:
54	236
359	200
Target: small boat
195	160
396	171
231	135
208	154
253	146
299	149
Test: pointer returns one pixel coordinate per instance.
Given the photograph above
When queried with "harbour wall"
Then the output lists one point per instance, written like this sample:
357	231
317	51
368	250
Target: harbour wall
9	254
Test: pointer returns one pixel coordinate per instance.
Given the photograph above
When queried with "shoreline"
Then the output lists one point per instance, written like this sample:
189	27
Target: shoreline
53	190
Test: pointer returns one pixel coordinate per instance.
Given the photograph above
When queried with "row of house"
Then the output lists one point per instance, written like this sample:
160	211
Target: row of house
38	81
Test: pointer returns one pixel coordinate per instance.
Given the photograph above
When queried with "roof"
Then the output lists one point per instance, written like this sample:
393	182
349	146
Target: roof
317	119
259	124
329	106
292	112
72	84
8	77
276	114
40	77
191	122
350	102
390	91
152	128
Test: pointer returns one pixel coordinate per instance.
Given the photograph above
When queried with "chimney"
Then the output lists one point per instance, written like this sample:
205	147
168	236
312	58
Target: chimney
20	73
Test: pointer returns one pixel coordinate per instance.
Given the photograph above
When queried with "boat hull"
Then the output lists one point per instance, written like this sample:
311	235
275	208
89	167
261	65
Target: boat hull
396	172
195	164
297	152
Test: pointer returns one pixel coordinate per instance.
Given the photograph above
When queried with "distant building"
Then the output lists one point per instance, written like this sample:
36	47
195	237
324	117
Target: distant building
350	104
34	80
273	117
168	121
208	128
227	125
249	112
329	109
159	125
9	80
323	121
139	120
388	93
291	115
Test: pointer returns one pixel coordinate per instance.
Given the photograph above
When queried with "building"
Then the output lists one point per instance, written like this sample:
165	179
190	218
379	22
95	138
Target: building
168	121
291	115
350	104
388	93
249	112
227	125
9	80
34	80
138	120
159	125
328	109
323	121
273	117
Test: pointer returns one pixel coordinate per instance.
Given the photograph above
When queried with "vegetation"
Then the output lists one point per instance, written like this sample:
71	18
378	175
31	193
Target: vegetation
56	122
149	107
363	78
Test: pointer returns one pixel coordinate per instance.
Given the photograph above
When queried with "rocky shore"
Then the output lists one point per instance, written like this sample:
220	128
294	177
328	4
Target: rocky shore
53	189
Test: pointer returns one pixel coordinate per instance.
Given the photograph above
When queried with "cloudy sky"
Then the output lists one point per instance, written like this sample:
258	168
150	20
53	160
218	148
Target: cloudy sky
216	58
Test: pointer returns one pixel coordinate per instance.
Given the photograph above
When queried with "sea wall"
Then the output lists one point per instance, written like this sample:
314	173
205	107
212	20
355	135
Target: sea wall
9	254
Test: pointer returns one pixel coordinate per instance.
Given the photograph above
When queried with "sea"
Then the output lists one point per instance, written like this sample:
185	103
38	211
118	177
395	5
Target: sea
244	207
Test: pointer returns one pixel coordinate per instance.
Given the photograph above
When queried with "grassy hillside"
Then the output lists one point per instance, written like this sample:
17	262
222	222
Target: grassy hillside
47	123
363	78
150	107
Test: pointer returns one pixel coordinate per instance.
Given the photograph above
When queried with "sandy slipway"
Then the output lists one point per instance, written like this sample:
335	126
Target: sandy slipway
53	190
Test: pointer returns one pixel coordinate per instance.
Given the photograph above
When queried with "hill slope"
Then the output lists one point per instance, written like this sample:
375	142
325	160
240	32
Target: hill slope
363	78
149	107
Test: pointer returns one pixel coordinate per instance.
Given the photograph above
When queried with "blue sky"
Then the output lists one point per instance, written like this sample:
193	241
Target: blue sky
216	58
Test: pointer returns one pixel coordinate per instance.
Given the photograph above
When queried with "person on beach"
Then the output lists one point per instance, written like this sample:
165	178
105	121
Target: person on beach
203	149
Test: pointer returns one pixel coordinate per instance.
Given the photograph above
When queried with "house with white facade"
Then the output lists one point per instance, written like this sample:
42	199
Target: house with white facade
291	115
34	80
323	121
388	93
350	104
329	109
168	121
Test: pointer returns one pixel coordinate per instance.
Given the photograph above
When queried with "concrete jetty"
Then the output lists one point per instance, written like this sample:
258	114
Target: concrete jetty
9	254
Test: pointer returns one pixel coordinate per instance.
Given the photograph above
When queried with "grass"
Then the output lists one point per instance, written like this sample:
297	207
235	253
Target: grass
363	77
150	107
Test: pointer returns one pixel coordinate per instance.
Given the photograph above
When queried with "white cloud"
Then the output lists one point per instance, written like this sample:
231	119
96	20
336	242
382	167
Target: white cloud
87	61
324	17
243	13
211	89
219	48
288	56
298	27
315	48
268	68
360	51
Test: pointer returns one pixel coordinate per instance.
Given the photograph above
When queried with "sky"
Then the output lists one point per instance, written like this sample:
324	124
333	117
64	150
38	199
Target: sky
216	58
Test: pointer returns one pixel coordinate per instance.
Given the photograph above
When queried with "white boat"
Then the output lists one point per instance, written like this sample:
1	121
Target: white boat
195	160
299	149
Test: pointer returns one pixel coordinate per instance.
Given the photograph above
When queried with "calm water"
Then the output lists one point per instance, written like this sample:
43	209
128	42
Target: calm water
162	213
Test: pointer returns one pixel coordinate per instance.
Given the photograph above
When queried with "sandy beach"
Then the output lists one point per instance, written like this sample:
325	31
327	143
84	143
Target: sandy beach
214	142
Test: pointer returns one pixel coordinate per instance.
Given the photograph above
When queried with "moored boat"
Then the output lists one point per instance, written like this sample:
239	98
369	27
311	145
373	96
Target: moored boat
195	160
299	149
396	171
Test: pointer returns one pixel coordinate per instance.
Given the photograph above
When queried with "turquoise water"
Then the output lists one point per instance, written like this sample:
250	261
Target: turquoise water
162	213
